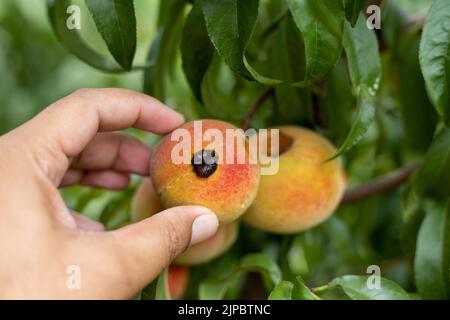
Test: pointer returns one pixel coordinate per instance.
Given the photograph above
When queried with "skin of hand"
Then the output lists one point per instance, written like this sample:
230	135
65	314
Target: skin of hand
72	142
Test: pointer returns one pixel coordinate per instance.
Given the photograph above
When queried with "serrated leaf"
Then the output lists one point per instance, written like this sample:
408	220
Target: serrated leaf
230	25
361	48
71	40
215	287
435	56
413	96
353	9
432	259
196	49
321	24
356	287
282	291
433	178
116	23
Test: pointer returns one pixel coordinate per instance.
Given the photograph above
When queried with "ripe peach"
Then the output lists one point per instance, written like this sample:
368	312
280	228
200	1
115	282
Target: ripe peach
178	278
210	249
146	203
305	191
210	174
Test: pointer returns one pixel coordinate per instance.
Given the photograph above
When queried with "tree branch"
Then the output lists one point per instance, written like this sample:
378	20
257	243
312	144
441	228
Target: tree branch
381	184
258	103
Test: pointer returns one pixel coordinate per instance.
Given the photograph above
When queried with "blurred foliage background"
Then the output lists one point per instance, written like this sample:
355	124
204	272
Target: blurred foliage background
36	71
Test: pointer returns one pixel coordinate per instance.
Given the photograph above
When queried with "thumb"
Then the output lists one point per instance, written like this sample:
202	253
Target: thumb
131	257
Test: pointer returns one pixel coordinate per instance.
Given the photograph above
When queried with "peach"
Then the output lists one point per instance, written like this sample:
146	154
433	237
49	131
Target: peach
305	191
198	165
212	248
146	203
177	280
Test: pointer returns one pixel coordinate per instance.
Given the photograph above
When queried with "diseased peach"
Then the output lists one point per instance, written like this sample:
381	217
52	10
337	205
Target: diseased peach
146	203
305	191
178	278
211	174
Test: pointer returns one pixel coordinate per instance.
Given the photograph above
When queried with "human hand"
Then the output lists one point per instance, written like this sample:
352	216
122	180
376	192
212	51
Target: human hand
69	143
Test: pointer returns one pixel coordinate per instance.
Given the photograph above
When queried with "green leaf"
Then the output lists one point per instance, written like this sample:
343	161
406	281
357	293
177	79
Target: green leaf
196	49
431	265
84	199
337	102
413	216
158	289
356	287
230	25
116	213
413	96
282	291
287	57
433	178
162	52
162	286
302	292
71	40
116	22
321	24
215	287
361	48
353	9
435	56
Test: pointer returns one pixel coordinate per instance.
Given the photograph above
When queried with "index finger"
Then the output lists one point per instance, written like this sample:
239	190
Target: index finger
69	124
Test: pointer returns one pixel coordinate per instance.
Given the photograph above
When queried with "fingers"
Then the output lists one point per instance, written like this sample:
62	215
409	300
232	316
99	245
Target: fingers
126	260
112	151
65	128
106	179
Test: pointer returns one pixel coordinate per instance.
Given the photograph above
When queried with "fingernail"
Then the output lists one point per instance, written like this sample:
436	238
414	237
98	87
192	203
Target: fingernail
204	227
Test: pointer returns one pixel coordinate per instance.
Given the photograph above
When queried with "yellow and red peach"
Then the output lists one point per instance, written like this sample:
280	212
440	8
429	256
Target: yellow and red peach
305	191
226	186
146	203
177	281
212	248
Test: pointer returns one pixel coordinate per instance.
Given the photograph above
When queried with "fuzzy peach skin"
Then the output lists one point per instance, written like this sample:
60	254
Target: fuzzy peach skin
228	192
146	203
178	278
305	191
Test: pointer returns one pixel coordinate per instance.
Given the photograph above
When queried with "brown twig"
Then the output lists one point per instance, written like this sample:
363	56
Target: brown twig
258	103
381	184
